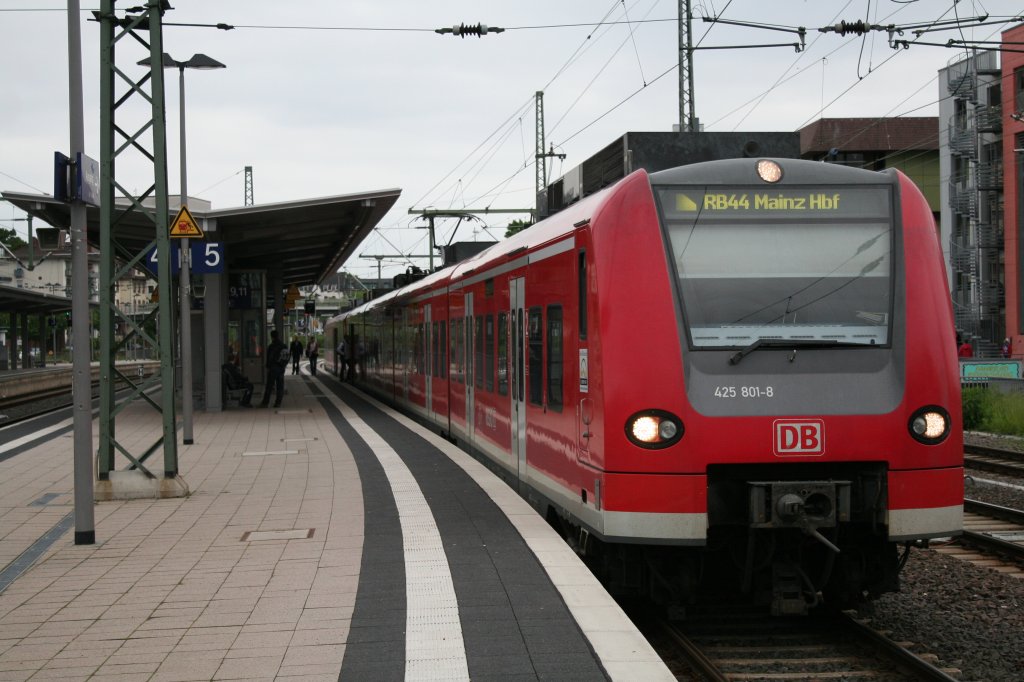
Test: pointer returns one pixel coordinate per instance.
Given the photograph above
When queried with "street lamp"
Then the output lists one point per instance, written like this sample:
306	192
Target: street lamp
198	61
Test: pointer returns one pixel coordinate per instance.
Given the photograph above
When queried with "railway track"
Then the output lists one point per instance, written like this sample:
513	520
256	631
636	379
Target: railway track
16	406
748	646
17	385
993	537
40	395
995	460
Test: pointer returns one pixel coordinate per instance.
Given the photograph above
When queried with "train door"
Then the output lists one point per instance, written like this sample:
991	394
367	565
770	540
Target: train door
470	370
585	408
406	351
517	315
428	369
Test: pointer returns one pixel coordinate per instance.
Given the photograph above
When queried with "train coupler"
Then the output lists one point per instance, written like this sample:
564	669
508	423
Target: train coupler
806	505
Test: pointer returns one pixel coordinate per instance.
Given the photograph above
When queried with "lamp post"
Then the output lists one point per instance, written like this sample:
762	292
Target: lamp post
198	61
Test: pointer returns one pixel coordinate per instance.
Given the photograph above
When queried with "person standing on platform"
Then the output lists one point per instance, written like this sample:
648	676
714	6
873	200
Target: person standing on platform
296	351
277	361
312	352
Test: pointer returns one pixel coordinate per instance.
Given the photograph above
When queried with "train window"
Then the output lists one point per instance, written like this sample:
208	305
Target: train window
812	265
503	353
442	346
489	287
555	362
489	353
478	351
536	356
582	288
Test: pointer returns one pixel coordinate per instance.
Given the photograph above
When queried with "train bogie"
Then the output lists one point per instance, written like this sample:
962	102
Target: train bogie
703	372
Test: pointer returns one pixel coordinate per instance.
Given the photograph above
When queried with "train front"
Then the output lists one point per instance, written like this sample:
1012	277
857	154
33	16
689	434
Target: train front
822	395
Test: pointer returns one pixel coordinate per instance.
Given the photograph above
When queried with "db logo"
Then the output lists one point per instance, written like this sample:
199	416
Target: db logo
799	438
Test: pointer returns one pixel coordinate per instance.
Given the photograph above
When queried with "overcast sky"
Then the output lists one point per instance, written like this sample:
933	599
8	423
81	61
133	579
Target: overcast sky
323	97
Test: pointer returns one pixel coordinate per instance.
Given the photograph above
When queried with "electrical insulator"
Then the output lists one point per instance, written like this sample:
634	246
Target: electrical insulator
858	27
463	30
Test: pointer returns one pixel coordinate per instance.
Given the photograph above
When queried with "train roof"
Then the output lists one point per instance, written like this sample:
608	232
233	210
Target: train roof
744	172
549	230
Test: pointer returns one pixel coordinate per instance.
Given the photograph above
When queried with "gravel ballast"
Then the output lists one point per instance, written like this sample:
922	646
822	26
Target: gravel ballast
970	616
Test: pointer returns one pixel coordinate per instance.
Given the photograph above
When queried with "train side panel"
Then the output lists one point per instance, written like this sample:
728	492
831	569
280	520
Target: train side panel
925	482
552	390
635	364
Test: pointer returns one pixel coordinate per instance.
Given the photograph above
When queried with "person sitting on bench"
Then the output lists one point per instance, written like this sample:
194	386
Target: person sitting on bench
236	380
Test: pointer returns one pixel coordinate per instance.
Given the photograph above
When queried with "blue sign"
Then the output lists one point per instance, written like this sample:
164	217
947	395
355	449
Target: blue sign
61	163
87	180
78	180
207	258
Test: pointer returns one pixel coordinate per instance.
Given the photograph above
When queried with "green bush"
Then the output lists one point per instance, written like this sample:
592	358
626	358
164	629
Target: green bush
974	410
992	411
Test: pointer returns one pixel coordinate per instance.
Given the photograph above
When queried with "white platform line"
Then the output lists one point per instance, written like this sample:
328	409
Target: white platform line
35	435
624	652
434	647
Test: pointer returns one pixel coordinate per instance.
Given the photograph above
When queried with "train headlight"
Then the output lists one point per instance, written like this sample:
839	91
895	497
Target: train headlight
930	425
654	429
769	171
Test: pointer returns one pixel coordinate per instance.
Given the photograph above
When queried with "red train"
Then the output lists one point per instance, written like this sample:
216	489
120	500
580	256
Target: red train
737	375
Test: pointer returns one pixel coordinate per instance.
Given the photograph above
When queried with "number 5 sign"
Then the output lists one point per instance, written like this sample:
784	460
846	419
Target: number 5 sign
207	258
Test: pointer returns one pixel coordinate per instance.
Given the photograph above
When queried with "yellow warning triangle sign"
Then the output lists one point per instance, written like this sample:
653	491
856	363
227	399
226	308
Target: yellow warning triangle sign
185	226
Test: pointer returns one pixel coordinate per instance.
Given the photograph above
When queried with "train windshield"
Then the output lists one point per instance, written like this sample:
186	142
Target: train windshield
786	264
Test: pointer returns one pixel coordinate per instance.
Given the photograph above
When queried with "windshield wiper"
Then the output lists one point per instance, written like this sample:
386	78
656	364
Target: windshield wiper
735	358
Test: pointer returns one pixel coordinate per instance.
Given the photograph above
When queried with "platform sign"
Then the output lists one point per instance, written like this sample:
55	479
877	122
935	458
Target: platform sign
291	297
207	258
87	180
61	165
78	180
184	225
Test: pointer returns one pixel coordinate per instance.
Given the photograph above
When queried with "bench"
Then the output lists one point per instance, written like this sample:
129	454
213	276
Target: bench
230	390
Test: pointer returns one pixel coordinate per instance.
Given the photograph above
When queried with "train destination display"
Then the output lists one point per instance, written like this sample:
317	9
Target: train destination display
794	203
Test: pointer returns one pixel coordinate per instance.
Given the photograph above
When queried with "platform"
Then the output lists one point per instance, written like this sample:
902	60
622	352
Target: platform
328	539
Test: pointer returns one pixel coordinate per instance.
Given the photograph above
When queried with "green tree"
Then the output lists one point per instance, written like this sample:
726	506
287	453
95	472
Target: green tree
517	226
10	239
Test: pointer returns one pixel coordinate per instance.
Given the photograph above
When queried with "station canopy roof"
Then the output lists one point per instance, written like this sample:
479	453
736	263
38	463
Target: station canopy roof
26	301
302	242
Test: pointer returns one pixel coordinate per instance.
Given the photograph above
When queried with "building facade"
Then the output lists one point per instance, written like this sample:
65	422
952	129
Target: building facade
971	162
1012	104
909	144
